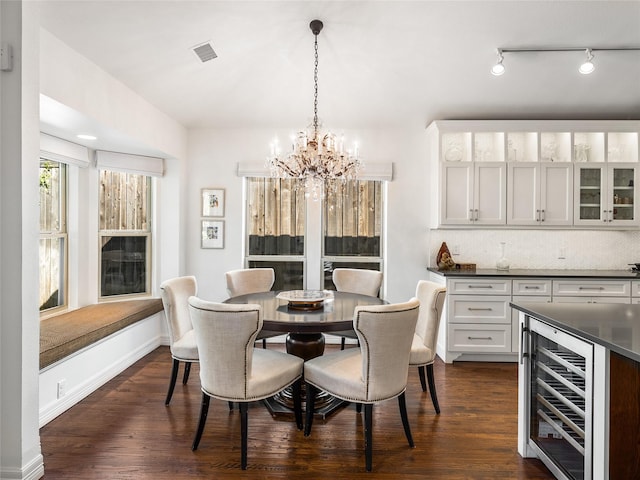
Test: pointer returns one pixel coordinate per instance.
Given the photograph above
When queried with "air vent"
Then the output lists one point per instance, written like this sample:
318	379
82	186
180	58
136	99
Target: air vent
205	52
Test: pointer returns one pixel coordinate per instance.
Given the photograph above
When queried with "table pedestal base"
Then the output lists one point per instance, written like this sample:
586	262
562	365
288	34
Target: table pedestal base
305	346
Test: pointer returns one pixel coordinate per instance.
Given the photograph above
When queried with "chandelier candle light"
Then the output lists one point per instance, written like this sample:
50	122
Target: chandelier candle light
319	159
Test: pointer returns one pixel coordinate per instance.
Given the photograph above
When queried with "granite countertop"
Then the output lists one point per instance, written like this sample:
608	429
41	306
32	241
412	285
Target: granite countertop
614	326
531	273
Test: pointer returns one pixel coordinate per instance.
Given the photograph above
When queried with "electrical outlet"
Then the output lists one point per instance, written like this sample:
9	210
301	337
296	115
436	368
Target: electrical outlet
562	253
455	249
62	388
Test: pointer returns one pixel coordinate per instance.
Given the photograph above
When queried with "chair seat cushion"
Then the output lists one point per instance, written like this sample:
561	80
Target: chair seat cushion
185	348
271	372
420	354
340	374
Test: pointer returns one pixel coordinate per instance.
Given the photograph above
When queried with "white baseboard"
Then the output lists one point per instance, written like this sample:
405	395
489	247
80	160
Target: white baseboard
92	367
31	471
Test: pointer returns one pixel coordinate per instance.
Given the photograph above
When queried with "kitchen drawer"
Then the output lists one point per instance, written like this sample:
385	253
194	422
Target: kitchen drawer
635	288
623	300
480	338
479	309
466	286
595	288
531	287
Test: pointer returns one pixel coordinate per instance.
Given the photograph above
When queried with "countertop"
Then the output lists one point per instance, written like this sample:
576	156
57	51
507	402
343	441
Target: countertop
531	273
615	326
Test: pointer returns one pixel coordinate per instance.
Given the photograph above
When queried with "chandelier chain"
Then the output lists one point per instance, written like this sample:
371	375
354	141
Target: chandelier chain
315	92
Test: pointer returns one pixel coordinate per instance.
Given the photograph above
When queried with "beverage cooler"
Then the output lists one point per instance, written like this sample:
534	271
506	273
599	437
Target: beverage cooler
561	387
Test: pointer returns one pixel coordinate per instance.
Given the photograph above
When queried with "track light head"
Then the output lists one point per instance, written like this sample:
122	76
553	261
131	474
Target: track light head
498	68
587	67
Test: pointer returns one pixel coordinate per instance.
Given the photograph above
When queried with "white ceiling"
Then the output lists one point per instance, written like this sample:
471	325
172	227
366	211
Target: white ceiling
383	64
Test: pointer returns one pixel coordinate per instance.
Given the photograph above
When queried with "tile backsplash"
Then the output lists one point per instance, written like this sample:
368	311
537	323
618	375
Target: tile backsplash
582	249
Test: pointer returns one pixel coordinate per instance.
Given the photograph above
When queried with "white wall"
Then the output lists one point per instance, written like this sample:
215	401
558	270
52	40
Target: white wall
213	159
20	455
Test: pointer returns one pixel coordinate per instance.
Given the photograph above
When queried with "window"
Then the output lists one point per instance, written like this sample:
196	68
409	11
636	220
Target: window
284	230
353	228
276	229
53	235
125	233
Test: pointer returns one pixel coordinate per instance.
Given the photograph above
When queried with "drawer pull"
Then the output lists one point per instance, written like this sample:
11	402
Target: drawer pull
480	338
590	288
532	287
480	286
476	309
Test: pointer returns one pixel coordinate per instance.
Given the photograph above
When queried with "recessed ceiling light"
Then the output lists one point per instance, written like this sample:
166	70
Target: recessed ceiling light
86	137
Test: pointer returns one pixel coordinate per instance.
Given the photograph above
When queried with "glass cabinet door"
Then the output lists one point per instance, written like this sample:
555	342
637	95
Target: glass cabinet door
590	189
622	193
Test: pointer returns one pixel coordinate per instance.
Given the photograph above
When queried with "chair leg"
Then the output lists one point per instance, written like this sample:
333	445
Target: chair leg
297	402
432	388
422	379
244	417
405	420
311	400
368	437
342	343
172	382
230	405
358	407
187	370
264	343
204	410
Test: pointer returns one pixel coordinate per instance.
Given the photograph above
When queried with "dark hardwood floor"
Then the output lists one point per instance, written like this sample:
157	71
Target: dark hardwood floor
124	431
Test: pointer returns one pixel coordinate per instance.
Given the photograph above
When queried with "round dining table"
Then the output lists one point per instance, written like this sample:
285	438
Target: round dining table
305	328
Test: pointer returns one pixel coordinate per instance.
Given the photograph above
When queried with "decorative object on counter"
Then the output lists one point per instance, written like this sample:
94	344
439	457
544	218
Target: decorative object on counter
466	266
444	259
503	262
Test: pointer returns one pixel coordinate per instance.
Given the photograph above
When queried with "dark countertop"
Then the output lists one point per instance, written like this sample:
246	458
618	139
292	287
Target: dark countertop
532	273
615	326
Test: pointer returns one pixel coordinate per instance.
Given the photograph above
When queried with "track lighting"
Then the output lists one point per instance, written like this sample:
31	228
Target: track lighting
587	67
498	68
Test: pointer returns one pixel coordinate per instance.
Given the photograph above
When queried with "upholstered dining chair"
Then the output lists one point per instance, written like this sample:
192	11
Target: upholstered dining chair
175	294
252	280
232	369
423	349
372	373
355	280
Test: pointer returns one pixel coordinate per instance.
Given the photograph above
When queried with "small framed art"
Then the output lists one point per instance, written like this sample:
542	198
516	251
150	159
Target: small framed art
212	233
213	202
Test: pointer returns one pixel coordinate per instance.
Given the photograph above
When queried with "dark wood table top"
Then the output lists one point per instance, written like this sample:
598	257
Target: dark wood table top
335	315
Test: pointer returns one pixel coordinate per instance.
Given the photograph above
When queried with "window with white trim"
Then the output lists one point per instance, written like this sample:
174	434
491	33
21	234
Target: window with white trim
284	230
125	234
53	235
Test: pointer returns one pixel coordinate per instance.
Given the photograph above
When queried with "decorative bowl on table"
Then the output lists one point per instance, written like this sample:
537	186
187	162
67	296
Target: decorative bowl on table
304	299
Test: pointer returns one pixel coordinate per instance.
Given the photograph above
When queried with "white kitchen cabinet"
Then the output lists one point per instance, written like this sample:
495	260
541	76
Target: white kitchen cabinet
605	195
540	193
531	290
534	173
473	193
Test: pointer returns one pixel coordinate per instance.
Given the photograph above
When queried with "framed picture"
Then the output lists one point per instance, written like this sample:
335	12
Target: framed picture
213	202
212	233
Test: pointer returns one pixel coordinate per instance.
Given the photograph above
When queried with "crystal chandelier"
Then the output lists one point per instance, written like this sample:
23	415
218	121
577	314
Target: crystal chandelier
319	159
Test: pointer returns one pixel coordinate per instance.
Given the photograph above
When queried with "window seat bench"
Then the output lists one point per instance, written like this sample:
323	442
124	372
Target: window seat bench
67	333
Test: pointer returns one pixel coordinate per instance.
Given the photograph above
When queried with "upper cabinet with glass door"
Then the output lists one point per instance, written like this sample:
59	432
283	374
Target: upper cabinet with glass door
534	173
606	166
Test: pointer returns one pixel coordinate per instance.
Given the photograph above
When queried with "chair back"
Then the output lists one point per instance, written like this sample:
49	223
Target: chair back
175	294
385	333
431	296
225	334
249	280
357	280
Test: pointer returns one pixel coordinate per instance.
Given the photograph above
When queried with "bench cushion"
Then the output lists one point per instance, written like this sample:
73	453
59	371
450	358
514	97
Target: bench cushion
69	332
